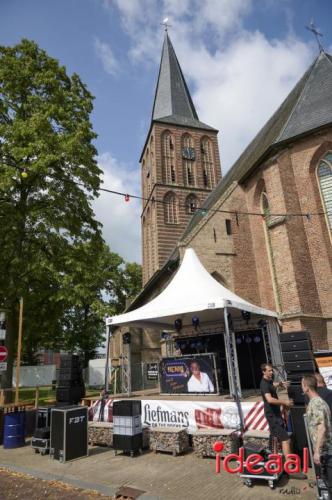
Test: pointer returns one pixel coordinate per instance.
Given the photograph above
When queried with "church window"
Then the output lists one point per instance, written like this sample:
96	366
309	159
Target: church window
188	160
169	172
191	204
228	223
173	178
207	162
171	209
324	175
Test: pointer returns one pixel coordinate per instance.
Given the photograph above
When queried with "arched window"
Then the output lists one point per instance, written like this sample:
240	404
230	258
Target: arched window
171	208
169	171
265	205
191	204
188	160
207	163
324	176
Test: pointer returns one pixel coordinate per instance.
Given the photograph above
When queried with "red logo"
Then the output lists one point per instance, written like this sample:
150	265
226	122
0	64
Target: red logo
208	418
274	465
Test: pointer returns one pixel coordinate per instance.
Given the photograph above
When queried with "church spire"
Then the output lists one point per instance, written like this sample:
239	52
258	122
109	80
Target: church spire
172	102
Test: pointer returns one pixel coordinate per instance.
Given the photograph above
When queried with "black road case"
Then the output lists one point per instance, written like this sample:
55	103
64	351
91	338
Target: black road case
40	445
69	433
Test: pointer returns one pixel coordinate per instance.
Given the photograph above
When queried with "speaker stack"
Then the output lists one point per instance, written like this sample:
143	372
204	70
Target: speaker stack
70	389
298	360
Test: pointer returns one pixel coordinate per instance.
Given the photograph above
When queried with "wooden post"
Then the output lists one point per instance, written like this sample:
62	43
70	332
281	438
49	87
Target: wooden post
37	397
19	348
2	397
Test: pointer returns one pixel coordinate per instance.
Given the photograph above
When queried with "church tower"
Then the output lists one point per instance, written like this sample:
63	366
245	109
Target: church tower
180	164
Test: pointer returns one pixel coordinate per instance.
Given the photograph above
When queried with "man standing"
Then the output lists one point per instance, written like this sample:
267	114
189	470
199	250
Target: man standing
319	426
272	407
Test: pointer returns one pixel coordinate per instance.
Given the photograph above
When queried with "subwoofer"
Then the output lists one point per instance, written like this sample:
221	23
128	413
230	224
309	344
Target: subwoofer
299	432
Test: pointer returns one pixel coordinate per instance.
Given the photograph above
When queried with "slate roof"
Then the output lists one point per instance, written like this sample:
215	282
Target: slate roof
308	107
172	102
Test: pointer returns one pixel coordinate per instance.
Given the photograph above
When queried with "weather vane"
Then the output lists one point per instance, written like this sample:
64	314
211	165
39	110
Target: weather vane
317	34
165	23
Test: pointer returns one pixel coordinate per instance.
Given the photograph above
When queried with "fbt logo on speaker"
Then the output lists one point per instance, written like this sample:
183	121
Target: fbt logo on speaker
257	464
77	420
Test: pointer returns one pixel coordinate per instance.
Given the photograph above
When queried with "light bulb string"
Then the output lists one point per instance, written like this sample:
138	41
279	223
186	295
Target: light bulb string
127	196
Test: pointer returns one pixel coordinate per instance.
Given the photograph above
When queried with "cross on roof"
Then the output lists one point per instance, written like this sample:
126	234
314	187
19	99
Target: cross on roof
316	33
165	23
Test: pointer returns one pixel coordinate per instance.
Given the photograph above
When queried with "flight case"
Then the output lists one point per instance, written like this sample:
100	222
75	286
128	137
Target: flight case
69	433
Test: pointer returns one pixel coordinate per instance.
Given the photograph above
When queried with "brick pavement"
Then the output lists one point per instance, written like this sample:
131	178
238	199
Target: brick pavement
160	475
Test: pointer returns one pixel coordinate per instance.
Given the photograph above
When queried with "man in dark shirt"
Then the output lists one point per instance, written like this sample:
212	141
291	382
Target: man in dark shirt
272	407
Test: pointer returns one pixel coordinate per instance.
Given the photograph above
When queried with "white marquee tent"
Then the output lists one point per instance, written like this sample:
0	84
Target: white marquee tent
194	292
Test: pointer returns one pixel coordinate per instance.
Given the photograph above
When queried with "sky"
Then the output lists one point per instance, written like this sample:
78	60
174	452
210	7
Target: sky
240	59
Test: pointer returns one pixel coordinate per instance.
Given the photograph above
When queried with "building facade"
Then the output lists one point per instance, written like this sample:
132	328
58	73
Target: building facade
264	230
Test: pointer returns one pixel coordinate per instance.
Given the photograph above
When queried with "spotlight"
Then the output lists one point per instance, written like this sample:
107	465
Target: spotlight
239	340
246	316
164	335
248	339
262	323
126	338
178	324
195	321
257	339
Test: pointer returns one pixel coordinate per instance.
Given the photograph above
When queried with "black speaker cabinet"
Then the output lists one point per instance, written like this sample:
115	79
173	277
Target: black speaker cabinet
297	356
127	408
300	366
296	345
299	433
43	417
69	433
294	336
296	394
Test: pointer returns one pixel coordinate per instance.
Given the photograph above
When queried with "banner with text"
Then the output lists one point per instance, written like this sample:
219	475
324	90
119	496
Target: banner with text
182	375
195	415
325	367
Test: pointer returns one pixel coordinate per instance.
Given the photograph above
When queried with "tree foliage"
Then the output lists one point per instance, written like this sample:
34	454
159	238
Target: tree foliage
52	251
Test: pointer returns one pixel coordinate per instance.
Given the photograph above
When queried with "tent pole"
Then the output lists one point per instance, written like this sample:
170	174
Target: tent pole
236	390
109	335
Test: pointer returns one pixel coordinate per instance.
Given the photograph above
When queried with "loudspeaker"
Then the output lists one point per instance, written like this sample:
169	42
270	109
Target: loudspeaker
69	433
127	408
294	336
70	394
300	366
299	432
296	394
297	356
43	417
296	345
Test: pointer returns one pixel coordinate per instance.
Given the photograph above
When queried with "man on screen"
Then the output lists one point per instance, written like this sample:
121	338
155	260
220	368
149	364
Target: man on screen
199	381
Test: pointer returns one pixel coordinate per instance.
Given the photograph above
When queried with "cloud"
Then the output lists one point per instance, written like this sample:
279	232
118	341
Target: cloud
105	54
121	220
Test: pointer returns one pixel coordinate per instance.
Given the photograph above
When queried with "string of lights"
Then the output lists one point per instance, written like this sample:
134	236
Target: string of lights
201	210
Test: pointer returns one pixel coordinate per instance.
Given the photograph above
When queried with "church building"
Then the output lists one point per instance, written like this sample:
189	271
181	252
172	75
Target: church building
264	230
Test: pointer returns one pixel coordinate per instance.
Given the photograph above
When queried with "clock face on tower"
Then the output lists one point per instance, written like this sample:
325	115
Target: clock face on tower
188	153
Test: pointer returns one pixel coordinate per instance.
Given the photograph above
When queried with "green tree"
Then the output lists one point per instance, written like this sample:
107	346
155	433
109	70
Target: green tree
48	177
